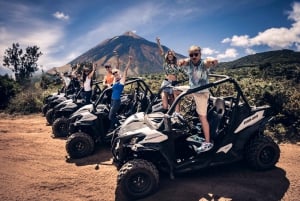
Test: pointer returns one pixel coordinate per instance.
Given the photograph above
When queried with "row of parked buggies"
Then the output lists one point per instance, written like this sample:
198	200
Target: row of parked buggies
150	141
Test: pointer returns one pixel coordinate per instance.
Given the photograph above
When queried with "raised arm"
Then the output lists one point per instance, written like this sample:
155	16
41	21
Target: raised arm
161	50
183	62
74	72
93	71
210	62
123	79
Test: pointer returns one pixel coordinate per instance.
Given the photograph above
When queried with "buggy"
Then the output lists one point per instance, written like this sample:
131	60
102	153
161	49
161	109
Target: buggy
66	92
75	99
146	144
90	126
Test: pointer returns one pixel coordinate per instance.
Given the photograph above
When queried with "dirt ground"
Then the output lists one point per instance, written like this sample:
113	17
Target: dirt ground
33	166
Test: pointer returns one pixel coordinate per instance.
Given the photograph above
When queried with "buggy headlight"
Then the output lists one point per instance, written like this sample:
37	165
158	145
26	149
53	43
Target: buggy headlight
133	140
136	139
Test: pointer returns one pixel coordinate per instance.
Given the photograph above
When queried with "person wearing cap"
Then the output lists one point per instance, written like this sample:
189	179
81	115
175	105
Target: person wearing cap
109	77
117	89
87	76
197	70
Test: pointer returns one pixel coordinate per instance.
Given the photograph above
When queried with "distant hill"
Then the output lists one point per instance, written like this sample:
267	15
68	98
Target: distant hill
147	59
145	54
272	58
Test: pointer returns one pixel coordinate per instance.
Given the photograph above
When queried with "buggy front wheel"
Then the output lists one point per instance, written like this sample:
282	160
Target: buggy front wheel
137	178
79	145
60	127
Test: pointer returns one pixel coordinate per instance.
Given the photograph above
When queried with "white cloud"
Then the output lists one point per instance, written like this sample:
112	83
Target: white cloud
274	37
240	41
230	53
208	51
60	15
249	51
28	30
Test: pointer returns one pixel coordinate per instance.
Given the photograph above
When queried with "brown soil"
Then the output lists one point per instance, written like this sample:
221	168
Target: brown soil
33	166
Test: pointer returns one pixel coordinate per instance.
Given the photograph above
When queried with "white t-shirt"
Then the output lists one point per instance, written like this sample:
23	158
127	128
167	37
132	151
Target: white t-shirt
87	84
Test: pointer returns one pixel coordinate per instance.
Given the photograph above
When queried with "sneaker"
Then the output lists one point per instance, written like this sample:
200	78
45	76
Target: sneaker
206	146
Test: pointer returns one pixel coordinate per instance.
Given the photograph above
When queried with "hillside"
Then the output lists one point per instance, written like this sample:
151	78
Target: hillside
145	53
271	57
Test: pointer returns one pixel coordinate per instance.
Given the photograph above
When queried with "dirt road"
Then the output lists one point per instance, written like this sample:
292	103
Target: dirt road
33	166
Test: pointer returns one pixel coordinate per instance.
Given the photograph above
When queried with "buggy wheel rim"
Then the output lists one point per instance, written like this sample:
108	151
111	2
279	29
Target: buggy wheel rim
63	127
267	155
139	183
80	146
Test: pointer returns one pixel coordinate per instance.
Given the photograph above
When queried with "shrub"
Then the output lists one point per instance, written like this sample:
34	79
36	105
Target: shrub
8	89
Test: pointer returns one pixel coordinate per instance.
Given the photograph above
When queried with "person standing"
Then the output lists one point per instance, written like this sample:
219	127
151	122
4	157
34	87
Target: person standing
171	71
198	70
117	90
87	76
109	77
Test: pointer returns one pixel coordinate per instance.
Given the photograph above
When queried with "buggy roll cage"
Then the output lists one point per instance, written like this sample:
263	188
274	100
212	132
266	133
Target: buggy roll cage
141	83
222	79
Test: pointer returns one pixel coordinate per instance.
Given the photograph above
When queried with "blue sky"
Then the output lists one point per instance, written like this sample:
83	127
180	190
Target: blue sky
225	29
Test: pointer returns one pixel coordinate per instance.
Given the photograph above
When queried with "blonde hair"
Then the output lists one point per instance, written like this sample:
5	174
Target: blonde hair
194	48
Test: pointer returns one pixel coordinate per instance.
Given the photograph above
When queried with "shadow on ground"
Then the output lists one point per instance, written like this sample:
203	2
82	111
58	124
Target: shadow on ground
233	182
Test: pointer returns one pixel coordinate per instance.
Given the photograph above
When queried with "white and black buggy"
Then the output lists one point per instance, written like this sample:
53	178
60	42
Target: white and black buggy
148	143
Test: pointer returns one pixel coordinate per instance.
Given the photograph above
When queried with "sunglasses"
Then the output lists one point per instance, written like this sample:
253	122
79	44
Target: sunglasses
115	73
107	66
194	54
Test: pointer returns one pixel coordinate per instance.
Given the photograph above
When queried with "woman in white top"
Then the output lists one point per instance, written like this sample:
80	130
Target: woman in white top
87	83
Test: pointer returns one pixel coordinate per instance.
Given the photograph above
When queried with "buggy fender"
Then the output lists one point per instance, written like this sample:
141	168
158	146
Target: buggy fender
141	147
258	116
87	119
249	132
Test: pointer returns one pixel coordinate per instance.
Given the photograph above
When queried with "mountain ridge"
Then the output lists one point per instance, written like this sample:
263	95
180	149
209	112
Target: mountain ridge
146	57
284	56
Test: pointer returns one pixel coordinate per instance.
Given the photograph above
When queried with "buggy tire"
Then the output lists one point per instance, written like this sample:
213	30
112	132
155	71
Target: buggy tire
60	127
44	109
50	116
137	178
262	153
79	145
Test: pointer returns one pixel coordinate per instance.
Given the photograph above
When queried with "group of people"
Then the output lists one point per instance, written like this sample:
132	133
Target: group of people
195	67
112	79
197	70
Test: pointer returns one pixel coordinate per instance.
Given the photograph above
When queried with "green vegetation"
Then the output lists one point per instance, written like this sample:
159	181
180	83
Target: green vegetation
278	86
8	89
262	77
23	64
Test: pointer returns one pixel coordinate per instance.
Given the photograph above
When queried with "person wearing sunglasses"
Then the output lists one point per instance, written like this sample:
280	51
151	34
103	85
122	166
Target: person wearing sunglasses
87	76
117	89
197	70
109	77
171	71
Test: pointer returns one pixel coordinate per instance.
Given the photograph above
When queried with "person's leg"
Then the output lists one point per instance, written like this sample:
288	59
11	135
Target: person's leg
175	94
115	105
205	127
201	100
88	97
164	97
164	94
